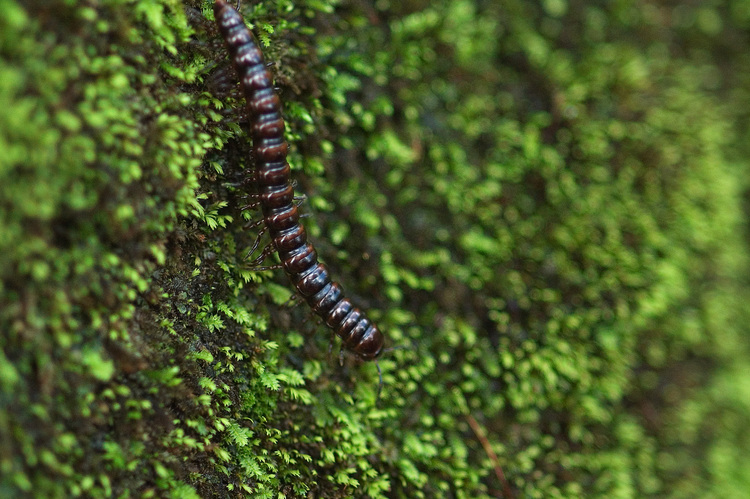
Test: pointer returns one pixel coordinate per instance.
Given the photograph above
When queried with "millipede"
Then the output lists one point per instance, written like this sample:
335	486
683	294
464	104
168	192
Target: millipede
281	217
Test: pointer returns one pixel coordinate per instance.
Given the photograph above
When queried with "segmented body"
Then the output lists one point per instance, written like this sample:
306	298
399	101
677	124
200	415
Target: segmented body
298	257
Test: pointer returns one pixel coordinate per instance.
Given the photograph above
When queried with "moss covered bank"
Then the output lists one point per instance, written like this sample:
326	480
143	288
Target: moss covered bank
545	202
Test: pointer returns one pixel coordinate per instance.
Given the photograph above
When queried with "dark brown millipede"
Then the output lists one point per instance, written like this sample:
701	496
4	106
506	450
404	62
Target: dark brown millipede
276	195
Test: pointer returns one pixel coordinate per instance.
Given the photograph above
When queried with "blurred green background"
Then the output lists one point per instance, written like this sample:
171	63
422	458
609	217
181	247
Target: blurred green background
543	204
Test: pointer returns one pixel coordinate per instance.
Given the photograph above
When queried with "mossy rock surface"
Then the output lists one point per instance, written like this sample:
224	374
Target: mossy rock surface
543	206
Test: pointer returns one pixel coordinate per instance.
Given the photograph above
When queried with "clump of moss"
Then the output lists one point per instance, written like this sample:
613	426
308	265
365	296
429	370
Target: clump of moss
551	196
95	174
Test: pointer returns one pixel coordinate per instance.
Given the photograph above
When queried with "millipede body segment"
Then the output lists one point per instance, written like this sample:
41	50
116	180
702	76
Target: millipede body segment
272	174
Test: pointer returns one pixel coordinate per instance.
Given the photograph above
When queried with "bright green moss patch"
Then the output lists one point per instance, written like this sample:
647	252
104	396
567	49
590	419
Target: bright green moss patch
543	204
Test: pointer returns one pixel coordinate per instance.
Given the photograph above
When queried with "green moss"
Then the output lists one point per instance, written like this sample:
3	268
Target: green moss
542	203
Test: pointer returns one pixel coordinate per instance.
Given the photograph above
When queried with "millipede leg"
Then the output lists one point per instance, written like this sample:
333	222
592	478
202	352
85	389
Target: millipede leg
380	382
253	224
252	204
398	347
220	82
276	266
257	242
267	251
292	302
